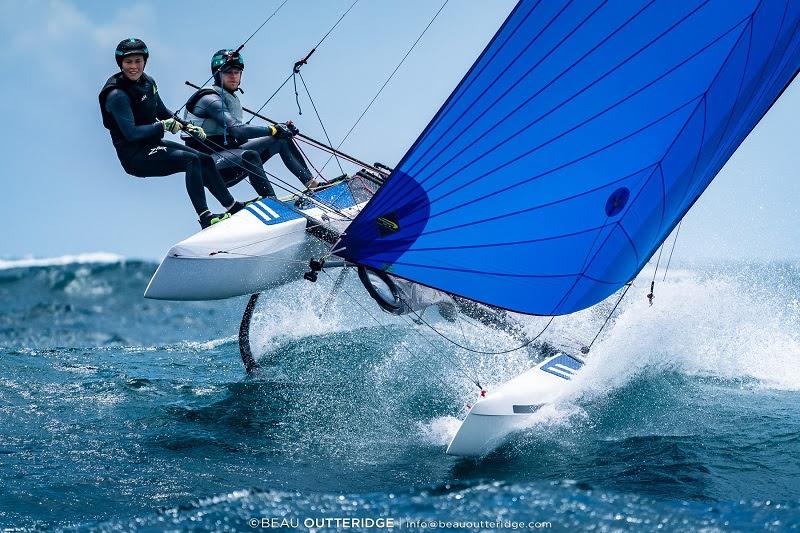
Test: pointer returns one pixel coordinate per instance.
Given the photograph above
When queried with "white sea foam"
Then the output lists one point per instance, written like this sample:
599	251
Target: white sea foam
719	326
194	346
86	285
722	327
295	311
204	391
439	431
206	345
93	257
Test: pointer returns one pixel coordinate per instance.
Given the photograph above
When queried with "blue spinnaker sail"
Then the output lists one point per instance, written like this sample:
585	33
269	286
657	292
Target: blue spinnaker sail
574	145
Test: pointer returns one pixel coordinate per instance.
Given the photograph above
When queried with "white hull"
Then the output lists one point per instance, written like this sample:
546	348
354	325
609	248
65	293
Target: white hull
262	246
511	405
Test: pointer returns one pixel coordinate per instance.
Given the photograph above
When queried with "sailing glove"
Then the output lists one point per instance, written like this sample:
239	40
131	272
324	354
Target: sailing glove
195	131
171	125
291	127
282	131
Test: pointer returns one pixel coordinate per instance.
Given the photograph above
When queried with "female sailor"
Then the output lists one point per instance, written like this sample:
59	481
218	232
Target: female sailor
137	120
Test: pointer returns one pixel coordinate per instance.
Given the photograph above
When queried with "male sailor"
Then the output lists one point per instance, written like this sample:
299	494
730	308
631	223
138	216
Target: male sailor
137	120
240	149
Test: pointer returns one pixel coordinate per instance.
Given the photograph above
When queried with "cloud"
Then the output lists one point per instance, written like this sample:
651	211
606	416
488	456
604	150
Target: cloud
61	22
52	36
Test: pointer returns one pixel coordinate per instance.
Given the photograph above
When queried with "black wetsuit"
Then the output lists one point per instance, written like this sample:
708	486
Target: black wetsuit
243	146
131	111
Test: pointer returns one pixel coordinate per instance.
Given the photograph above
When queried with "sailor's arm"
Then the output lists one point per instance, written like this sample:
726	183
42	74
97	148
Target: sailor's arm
211	106
119	105
162	113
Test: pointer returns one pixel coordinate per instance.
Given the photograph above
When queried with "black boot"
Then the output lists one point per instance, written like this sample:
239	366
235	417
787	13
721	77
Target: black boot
208	218
235	208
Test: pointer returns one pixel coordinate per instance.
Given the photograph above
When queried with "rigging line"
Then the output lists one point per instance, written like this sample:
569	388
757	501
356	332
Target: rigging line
445	337
419	359
239	49
298	64
450	357
652	293
296	94
334	200
401	317
348	158
308	159
323	148
334	26
309	140
672	250
270	98
289	187
260	241
473	323
252	167
325	131
285	184
658	261
349	189
262	25
262	257
385	83
455	362
585	350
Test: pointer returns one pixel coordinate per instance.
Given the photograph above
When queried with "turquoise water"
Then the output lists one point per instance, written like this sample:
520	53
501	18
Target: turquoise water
128	414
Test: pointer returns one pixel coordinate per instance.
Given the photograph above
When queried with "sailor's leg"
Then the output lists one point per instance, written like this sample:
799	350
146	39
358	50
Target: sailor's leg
201	168
267	147
236	164
258	178
232	176
167	158
230	166
213	181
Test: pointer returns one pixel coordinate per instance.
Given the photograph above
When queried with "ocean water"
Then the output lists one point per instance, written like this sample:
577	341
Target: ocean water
119	413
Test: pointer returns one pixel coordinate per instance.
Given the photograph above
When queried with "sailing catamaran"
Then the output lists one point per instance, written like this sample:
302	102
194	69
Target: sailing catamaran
568	153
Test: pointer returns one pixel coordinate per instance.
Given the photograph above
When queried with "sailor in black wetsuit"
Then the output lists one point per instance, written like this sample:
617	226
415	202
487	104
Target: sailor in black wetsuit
137	119
235	145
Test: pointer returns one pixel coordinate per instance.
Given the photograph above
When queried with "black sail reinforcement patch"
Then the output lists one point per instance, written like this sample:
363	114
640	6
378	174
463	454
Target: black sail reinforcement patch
617	201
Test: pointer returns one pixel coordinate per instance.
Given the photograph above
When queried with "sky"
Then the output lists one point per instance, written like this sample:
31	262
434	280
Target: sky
67	193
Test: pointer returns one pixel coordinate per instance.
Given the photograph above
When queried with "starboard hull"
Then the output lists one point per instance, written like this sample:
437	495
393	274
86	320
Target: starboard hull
511	406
